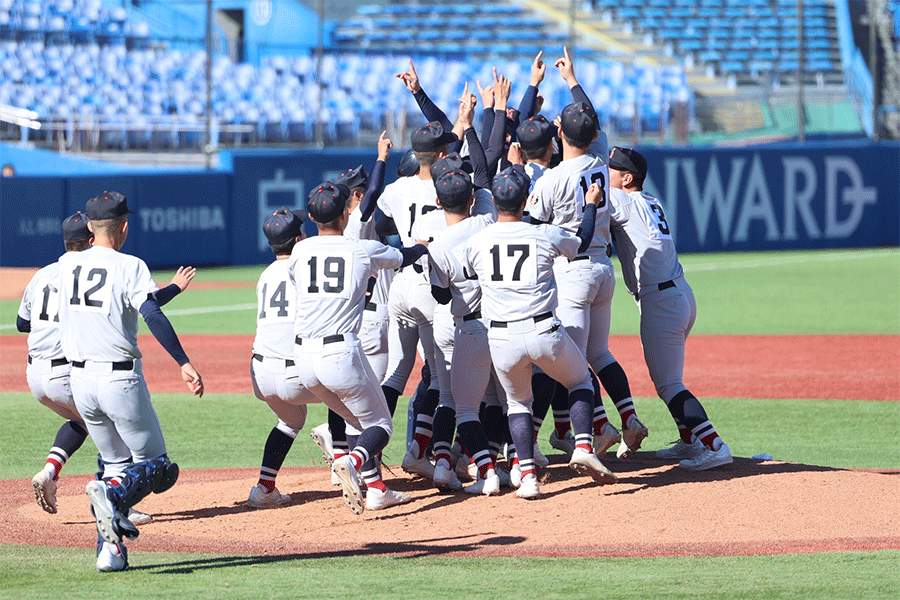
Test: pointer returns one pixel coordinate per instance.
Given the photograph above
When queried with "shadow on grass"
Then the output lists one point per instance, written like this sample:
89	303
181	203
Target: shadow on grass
411	549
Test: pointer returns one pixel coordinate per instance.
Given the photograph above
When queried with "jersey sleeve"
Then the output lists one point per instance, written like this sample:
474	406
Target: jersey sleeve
563	243
381	256
540	204
140	284
618	206
600	147
438	271
384	202
25	305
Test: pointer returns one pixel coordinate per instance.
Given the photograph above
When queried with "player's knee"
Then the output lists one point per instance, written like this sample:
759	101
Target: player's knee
517	407
387	425
669	390
466	415
290	429
601	361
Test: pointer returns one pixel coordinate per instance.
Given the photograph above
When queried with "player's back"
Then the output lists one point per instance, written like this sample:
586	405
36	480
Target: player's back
643	240
558	198
40	306
405	201
357	229
276	299
446	255
331	275
102	291
514	265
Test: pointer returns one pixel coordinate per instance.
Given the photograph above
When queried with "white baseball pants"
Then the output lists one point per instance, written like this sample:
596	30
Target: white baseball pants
586	290
411	311
667	317
50	386
279	386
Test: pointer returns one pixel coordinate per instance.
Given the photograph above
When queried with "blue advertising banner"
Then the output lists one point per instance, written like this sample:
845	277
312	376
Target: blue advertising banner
823	195
265	181
778	198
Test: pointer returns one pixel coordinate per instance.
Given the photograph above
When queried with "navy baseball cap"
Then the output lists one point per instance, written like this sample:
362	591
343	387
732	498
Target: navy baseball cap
327	201
409	164
535	133
281	226
454	188
451	162
628	159
431	137
107	205
75	227
510	188
579	123
353	178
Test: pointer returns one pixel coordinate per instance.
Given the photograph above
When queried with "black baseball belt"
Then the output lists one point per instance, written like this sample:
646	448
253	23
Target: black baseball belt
287	361
472	316
371	306
54	362
125	365
662	286
330	339
538	318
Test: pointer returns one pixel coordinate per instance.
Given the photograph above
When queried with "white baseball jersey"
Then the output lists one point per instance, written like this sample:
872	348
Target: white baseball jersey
40	306
514	266
331	274
428	228
358	230
405	201
102	291
276	301
445	255
643	240
558	198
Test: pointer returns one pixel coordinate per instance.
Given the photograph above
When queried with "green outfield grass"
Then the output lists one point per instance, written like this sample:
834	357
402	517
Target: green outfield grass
815	292
804	576
823	292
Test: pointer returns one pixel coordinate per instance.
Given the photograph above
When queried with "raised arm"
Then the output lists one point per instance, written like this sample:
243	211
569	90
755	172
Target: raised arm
528	105
497	140
487	116
369	201
482	178
567	70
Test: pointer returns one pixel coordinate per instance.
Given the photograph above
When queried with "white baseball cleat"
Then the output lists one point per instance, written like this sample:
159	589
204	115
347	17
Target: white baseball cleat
539	459
378	500
346	472
565	444
681	450
321	435
515	475
587	463
418	466
465	469
445	479
609	435
708	459
137	517
260	497
489	486
634	433
111	557
529	488
45	490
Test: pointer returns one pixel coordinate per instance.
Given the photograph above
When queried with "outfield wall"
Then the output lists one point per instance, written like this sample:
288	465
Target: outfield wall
760	198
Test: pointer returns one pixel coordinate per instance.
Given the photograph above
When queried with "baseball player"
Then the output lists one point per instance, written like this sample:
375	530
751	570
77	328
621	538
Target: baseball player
432	226
587	281
331	275
48	370
469	367
654	276
272	367
410	304
331	437
513	263
101	293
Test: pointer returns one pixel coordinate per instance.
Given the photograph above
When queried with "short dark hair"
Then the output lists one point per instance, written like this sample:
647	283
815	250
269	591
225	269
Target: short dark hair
638	180
285	248
78	245
456	210
575	144
426	159
533	154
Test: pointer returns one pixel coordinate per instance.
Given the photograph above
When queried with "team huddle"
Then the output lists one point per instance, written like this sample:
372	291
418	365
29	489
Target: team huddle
491	261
